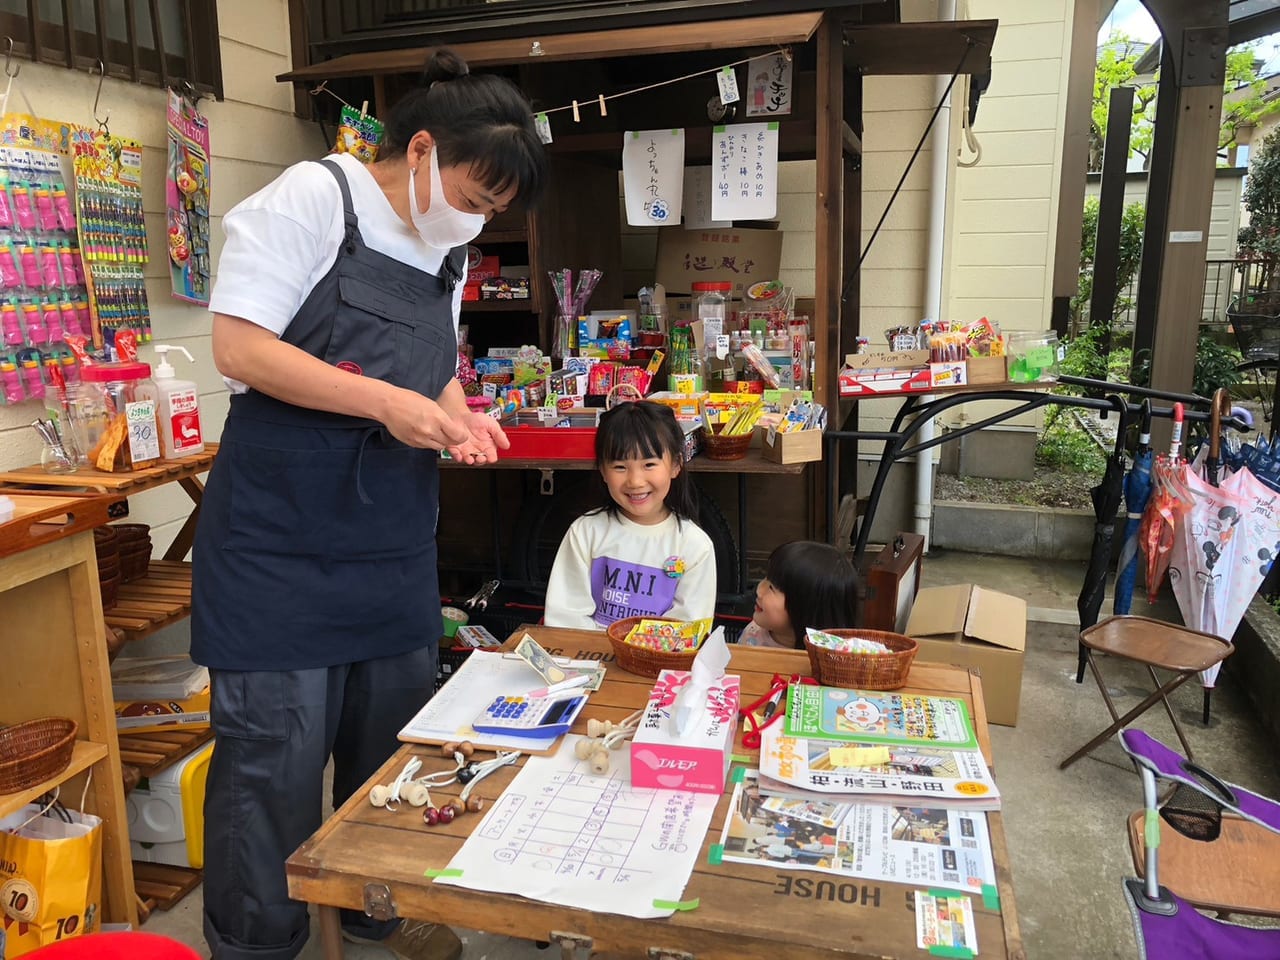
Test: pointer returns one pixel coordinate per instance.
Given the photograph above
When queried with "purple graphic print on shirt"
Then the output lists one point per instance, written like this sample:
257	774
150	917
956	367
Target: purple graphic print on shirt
621	589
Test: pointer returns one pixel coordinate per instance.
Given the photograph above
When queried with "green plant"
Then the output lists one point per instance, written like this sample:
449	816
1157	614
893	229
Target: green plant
1132	223
1260	239
1216	366
1065	446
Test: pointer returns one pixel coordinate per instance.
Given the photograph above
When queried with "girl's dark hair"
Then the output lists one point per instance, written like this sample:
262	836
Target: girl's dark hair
646	429
819	583
477	120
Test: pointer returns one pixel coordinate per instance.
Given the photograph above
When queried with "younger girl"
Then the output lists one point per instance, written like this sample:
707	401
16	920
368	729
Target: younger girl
808	584
640	554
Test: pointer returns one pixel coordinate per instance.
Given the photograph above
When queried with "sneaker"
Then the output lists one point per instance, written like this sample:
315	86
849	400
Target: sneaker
413	940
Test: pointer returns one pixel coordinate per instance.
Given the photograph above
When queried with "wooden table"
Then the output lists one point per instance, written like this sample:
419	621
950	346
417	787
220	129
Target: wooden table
367	858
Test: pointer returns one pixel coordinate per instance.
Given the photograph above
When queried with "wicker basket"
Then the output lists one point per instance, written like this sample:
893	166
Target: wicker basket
642	661
717	447
134	562
35	751
132	533
864	671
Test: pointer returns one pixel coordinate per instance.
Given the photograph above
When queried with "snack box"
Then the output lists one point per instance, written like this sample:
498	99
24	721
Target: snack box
698	760
874	381
505	288
146	716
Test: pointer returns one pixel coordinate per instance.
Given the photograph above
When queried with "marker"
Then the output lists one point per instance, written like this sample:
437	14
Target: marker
580	680
771	707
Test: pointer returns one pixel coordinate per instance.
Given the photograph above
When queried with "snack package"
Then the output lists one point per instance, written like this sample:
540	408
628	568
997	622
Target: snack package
668	636
359	134
984	339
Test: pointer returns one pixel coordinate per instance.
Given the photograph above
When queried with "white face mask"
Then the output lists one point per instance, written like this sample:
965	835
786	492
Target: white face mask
442	226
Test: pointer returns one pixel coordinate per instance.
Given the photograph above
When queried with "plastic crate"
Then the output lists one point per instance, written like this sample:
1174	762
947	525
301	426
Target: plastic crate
451	658
551	443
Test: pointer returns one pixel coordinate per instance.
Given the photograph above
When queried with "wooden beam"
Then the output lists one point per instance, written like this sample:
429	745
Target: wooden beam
910	49
851	142
830	208
748	32
1181	300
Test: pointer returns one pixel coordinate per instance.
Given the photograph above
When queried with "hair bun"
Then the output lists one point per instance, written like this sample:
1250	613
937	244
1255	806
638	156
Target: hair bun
444	65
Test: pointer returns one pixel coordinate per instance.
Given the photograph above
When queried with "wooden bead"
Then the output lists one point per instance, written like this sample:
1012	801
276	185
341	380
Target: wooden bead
466	748
431	816
595	728
475	804
600	761
457	806
583	749
446	815
450	748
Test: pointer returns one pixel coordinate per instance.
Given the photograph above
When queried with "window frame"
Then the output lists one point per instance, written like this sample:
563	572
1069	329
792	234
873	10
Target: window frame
69	45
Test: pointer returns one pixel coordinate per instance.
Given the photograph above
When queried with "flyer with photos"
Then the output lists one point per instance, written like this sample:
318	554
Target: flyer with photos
875	716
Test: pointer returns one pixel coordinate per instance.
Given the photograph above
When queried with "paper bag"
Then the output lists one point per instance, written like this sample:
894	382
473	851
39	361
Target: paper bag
50	878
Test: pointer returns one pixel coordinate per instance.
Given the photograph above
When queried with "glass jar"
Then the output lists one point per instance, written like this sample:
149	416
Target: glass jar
1033	356
711	305
684	365
114	427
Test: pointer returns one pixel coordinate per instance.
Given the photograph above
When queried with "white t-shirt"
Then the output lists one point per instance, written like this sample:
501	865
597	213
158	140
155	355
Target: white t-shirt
609	568
282	240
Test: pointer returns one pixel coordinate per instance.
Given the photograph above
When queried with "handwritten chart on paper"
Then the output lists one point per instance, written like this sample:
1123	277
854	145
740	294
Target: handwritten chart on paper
698	182
652	176
769	86
561	834
745	164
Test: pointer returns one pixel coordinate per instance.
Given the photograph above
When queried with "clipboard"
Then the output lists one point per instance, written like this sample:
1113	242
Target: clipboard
484	676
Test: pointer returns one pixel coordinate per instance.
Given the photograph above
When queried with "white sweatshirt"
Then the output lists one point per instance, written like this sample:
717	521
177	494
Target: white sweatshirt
609	568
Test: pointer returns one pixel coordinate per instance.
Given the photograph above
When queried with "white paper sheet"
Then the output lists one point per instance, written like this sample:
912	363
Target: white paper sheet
769	86
745	164
697	199
561	834
484	676
653	176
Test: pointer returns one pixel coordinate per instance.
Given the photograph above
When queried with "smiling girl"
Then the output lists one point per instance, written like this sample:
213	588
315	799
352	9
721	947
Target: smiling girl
808	584
640	554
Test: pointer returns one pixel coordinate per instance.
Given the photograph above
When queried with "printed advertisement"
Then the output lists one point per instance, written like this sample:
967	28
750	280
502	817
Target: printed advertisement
869	716
919	845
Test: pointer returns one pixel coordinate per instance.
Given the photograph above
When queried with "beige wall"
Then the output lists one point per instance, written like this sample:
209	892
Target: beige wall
253	136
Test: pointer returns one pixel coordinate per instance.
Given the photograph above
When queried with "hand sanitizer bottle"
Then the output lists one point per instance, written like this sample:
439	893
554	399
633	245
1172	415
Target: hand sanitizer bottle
177	406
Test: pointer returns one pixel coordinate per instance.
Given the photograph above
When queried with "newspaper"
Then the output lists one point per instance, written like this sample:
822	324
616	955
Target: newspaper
915	774
921	846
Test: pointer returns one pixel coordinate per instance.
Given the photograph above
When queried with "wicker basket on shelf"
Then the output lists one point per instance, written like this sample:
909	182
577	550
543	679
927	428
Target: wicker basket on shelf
35	751
864	671
642	661
717	447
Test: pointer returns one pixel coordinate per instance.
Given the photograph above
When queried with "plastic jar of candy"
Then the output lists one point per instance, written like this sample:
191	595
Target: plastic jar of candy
115	428
1033	356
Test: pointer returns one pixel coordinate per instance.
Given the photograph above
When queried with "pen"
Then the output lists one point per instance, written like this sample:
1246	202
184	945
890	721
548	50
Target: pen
580	680
772	706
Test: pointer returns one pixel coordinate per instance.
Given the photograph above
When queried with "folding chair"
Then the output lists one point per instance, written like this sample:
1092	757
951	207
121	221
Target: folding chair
1155	644
1166	925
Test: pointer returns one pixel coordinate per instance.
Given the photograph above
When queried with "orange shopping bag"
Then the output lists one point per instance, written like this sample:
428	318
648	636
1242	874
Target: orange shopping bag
50	877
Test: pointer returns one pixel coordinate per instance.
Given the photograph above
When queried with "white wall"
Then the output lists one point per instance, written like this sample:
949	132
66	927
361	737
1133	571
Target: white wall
253	137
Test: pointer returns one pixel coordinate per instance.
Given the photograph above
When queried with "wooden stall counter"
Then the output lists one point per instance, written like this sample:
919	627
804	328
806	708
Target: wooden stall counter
368	858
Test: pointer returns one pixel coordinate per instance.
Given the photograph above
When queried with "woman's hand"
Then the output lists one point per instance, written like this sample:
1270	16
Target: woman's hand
485	439
420	422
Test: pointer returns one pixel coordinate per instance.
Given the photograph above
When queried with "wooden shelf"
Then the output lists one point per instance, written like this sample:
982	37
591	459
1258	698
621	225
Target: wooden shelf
84	755
161	598
155	750
505	306
127	483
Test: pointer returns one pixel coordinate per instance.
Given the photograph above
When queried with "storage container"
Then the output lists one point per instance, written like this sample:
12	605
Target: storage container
166	813
114	425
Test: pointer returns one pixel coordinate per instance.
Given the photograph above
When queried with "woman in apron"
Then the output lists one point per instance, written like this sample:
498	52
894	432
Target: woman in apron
315	598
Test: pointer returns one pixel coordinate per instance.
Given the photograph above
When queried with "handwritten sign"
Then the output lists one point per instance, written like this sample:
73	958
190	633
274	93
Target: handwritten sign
769	86
652	176
697	199
745	165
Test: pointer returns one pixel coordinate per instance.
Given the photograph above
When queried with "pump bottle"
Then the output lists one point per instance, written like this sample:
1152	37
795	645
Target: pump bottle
177	406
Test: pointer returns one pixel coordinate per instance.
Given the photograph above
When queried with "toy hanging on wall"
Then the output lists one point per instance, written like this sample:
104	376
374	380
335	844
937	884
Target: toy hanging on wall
187	200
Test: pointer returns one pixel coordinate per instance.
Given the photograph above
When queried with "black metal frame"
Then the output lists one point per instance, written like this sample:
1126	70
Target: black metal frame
916	411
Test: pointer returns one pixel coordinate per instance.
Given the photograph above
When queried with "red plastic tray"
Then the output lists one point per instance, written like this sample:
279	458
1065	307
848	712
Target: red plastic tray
551	443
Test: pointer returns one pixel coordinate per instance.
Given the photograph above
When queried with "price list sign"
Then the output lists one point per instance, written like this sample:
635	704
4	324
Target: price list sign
745	167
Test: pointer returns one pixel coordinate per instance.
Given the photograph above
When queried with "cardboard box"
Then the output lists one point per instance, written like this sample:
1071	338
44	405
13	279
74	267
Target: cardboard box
724	254
699	760
951	374
802	446
973	627
988	369
873	382
895	360
148	716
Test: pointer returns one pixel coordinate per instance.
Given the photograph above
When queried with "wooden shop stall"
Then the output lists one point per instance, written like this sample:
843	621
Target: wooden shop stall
652	70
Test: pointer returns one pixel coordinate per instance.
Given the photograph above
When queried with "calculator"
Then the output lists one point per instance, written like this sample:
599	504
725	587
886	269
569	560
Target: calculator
529	716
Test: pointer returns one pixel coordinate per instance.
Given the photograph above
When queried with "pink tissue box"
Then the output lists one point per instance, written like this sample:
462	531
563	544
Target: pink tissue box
698	761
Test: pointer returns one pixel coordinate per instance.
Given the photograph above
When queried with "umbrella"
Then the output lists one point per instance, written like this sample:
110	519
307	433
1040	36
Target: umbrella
1137	490
1169	499
1106	504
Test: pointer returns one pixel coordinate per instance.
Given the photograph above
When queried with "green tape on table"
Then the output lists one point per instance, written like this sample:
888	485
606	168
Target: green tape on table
739	758
446	872
739	774
684	906
715	855
962	952
1151	829
990	896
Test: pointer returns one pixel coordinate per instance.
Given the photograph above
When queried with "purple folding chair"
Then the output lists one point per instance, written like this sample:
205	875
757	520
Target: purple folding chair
1169	928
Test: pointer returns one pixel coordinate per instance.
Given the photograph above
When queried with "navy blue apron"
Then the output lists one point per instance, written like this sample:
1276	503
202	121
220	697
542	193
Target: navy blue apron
316	539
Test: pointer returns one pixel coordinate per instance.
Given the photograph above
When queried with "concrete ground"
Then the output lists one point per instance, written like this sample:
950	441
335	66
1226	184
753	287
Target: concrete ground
1066	829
